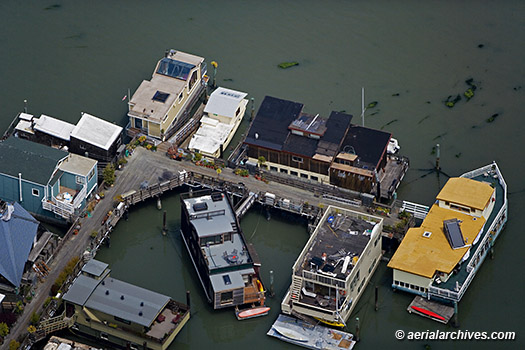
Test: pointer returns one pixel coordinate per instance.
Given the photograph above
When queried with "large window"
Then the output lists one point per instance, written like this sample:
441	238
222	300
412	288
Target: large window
193	79
226	297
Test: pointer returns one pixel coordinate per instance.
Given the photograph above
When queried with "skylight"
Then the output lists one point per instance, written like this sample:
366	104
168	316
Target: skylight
161	96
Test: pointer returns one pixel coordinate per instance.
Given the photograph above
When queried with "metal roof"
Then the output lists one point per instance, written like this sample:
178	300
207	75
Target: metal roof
225	102
96	131
117	298
54	127
369	144
216	219
22	156
16	240
467	192
95	267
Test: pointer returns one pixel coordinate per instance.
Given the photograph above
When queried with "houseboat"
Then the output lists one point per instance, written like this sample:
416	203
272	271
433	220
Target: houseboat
120	313
160	106
223	115
335	266
439	259
226	265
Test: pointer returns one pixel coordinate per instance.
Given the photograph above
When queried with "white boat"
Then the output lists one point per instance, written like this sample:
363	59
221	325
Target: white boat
393	146
290	333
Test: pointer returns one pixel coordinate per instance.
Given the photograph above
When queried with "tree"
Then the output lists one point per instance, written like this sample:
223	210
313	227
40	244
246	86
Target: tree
4	329
261	160
109	174
35	318
14	345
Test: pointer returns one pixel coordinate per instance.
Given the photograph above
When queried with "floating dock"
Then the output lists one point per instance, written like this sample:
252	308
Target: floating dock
298	332
431	309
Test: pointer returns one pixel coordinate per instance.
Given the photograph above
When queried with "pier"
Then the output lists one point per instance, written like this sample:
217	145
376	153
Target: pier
149	175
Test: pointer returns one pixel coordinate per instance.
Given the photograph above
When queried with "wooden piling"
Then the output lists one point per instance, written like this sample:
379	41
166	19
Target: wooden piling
376	304
357	329
271	284
164	226
188	301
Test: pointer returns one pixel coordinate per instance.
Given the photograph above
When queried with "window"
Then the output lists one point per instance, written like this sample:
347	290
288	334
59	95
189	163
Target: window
227	280
121	320
226	298
304	176
180	97
238	111
91	174
193	79
297	159
294	173
104	336
273	168
284	171
80	180
315	178
35	192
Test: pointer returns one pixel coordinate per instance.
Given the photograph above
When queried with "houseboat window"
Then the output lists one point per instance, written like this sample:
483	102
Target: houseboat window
121	320
210	240
91	174
193	79
273	168
294	173
36	192
180	97
238	111
226	297
315	178
456	207
227	280
304	176
284	171
160	96
104	336
297	159
227	237
134	347
79	180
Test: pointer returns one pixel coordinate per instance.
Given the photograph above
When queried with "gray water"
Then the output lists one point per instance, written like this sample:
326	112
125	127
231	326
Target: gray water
83	56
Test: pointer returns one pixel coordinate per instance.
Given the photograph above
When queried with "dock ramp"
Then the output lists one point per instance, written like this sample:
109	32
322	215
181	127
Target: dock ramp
247	204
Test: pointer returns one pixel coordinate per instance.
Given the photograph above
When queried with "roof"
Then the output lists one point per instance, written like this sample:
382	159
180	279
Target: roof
16	240
424	256
54	127
229	280
352	169
25	116
336	127
22	156
117	298
467	192
270	127
95	267
369	144
78	165
210	136
216	219
96	131
224	102
300	145
25	126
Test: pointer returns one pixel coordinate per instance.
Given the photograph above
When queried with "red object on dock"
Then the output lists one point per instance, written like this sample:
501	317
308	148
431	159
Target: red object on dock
428	313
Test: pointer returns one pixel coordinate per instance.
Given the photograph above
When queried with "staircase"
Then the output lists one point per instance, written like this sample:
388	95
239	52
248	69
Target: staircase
296	288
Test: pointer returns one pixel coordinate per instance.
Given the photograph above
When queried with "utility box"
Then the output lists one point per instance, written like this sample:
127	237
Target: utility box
367	199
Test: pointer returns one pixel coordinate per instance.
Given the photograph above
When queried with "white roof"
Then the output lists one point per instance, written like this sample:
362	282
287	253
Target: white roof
25	116
78	165
96	131
24	125
1	297
224	102
54	127
210	135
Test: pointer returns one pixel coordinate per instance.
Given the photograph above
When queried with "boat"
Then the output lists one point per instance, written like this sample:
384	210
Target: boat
290	333
330	323
428	313
393	146
253	312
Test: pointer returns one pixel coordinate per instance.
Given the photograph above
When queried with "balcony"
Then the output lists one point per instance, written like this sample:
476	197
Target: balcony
252	293
66	202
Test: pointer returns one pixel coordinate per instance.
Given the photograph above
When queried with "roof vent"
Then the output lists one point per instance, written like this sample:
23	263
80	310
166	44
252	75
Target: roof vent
121	297
103	283
427	234
256	136
141	303
216	196
107	292
140	313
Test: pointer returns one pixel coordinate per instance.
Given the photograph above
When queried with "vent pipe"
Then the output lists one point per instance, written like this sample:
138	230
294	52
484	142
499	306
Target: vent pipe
20	186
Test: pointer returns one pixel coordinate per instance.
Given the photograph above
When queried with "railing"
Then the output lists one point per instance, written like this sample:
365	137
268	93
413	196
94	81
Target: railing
315	277
419	211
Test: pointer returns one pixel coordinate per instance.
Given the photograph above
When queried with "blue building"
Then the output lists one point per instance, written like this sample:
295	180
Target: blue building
18	235
51	184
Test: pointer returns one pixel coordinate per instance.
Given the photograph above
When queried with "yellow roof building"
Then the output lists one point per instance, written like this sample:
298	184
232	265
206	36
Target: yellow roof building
467	192
424	256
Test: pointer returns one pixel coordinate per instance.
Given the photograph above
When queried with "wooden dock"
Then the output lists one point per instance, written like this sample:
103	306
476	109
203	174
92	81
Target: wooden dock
445	312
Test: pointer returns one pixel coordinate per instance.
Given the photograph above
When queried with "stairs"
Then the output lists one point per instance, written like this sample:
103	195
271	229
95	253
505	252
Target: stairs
296	288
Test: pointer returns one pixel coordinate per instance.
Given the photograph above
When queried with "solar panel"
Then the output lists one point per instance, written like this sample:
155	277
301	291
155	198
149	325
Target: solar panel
174	68
453	233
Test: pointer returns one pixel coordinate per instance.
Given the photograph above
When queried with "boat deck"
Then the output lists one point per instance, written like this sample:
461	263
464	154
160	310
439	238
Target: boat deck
310	336
461	275
442	310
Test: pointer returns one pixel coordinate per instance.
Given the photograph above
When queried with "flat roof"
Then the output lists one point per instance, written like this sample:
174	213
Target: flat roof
25	116
424	256
229	280
370	145
96	131
341	233
210	135
95	267
352	169
25	125
216	219
78	165
467	192
54	127
225	102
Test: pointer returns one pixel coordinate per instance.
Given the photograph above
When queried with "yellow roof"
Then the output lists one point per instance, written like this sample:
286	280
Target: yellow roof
467	192
424	256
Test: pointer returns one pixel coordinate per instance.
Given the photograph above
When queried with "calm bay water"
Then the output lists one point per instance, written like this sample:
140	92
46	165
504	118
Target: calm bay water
83	56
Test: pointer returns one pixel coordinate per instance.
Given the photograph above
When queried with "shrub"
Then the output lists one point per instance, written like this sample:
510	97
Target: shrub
68	270
109	174
4	329
14	345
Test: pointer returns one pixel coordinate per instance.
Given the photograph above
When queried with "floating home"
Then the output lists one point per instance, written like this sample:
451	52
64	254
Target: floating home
439	259
92	137
223	115
162	105
327	150
226	265
121	313
335	266
51	184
